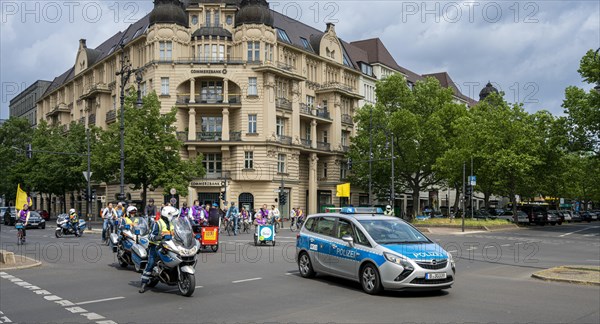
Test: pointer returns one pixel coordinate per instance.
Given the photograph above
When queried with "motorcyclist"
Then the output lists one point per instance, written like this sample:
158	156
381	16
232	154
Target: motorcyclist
74	221
388	211
161	228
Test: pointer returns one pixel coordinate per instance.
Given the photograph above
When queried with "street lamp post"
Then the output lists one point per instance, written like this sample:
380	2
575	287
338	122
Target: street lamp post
125	73
597	87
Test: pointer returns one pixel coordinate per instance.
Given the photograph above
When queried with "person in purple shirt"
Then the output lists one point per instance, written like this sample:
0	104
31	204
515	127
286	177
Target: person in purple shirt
24	217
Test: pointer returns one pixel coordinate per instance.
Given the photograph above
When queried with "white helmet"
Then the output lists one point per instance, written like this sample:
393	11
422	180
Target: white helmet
72	211
388	207
169	212
131	209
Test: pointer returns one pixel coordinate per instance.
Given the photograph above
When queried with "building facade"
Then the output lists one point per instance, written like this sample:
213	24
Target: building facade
25	103
266	100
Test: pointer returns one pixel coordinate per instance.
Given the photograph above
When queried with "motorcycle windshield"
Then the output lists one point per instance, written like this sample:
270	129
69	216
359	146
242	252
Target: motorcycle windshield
183	234
139	223
61	218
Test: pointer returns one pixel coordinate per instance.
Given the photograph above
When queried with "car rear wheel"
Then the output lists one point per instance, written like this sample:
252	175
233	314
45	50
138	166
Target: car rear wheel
305	266
369	279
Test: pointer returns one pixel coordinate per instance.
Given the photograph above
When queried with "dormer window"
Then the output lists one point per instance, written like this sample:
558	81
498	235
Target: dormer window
282	35
366	69
194	19
306	44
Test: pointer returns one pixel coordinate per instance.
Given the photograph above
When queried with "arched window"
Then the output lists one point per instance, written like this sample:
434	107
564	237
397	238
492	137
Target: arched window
246	200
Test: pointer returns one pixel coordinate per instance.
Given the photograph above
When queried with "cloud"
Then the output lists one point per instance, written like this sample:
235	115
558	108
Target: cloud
531	50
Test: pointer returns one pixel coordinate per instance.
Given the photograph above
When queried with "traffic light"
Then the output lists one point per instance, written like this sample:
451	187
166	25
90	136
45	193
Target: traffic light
93	194
282	198
469	191
84	195
28	151
223	195
349	164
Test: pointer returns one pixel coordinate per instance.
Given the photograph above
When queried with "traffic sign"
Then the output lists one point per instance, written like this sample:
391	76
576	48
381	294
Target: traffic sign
85	175
173	191
473	180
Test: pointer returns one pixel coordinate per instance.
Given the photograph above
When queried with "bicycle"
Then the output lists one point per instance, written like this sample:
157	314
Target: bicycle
20	234
246	226
106	232
296	224
277	223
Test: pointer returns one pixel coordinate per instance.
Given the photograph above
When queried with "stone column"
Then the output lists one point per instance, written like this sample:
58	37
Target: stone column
192	90
225	126
313	134
192	125
225	91
295	120
312	183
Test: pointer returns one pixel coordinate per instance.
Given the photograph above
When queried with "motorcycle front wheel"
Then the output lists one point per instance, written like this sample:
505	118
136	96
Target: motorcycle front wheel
58	233
187	284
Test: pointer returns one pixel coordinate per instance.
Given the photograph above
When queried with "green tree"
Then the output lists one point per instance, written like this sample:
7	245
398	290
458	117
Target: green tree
152	150
15	134
419	120
583	107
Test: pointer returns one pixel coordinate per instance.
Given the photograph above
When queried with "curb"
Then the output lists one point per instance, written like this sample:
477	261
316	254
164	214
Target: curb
35	264
573	281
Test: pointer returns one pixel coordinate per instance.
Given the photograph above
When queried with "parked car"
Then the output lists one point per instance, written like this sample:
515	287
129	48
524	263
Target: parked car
36	220
479	214
575	217
554	217
586	216
509	216
9	215
537	214
566	215
495	211
45	215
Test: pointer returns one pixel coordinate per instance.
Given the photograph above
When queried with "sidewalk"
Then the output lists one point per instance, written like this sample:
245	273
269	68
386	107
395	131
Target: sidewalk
20	262
577	274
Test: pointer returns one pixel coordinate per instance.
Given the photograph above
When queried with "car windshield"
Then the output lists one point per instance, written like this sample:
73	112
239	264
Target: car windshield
393	231
184	235
139	223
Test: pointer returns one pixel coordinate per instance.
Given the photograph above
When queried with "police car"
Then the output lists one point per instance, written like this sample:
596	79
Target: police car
381	252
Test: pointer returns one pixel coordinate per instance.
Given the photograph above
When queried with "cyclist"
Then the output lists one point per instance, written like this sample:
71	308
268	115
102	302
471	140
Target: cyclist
108	215
233	216
24	218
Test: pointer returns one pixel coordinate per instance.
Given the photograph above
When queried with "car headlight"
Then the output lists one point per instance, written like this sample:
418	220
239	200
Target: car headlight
398	260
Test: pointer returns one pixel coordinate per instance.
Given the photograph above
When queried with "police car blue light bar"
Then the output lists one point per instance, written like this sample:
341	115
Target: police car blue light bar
361	210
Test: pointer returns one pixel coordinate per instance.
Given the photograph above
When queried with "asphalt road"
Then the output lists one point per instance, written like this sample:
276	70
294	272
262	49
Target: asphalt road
80	281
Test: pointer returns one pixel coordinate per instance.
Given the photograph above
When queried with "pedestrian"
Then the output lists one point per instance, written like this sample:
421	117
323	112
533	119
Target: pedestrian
195	212
214	215
24	218
233	215
150	210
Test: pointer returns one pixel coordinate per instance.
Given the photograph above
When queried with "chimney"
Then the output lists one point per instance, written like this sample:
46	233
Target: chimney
330	26
82	43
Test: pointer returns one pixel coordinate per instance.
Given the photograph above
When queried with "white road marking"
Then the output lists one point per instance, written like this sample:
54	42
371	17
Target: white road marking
244	280
67	305
99	300
505	245
453	251
581	230
471	249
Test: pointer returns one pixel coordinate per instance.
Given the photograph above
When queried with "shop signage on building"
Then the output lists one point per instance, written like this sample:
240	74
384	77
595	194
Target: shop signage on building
206	183
209	71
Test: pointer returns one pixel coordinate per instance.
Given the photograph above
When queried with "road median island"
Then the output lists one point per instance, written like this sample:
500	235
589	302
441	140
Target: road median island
577	274
470	224
11	261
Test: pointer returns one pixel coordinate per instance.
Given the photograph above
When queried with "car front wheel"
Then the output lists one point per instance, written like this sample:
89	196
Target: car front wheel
369	279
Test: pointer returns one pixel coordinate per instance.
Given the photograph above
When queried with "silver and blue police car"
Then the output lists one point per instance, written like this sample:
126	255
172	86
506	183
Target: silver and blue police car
381	252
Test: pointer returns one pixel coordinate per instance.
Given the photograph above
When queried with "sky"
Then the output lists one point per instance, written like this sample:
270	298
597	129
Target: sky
528	49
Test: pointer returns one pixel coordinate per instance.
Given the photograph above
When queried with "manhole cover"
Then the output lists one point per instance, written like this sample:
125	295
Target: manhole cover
570	272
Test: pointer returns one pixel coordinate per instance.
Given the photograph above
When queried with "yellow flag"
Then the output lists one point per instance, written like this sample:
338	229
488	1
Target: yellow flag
343	190
21	198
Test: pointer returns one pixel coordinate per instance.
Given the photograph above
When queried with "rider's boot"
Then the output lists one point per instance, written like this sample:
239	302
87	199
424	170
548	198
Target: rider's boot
142	288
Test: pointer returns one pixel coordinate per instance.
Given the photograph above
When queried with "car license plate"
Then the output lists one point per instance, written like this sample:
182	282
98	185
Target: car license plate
433	276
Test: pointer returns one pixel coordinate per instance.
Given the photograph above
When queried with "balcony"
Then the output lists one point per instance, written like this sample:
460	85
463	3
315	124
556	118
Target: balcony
182	136
60	108
338	87
283	103
323	146
111	116
345	148
306	142
235	136
209	136
279	68
347	119
82	120
95	89
305	109
209	60
286	140
92	119
184	99
322	113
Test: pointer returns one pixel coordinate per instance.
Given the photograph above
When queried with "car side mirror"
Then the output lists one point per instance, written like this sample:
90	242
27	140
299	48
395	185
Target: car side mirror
348	239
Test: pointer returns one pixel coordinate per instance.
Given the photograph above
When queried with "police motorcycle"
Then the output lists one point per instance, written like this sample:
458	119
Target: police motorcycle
176	258
64	226
132	245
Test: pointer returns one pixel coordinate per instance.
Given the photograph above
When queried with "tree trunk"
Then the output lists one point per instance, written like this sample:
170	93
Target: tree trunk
416	202
513	196
486	199
458	188
49	202
144	198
